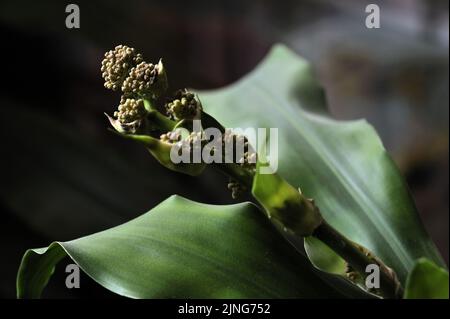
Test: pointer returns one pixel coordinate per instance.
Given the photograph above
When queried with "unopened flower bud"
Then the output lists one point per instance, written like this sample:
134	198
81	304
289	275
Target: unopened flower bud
171	137
117	64
185	105
130	116
130	110
145	80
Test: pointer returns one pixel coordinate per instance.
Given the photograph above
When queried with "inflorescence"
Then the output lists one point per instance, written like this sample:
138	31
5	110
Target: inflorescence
185	105
143	85
117	64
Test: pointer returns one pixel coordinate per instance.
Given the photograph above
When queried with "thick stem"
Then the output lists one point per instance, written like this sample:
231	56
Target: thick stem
156	118
356	256
161	121
358	259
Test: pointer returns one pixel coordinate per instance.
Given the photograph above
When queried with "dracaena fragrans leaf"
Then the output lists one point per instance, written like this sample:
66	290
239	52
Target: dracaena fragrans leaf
184	249
342	165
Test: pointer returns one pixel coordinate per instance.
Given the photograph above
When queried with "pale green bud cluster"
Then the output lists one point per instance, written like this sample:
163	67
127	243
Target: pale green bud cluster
195	139
123	68
189	144
170	137
140	79
184	106
117	64
248	160
130	110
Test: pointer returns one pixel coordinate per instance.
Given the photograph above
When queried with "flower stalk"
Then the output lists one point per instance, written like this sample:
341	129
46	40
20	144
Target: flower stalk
359	258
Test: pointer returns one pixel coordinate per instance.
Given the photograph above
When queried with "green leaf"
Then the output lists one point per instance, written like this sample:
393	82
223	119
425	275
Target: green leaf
427	281
323	257
184	249
342	165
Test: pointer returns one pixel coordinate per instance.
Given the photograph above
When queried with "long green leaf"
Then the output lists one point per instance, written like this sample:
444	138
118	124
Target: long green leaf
184	249
342	165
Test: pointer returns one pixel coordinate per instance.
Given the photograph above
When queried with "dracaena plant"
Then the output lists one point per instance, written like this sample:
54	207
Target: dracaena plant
353	220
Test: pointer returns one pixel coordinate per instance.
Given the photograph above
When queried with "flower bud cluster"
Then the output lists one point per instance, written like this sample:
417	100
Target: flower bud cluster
140	79
124	69
130	110
185	105
117	64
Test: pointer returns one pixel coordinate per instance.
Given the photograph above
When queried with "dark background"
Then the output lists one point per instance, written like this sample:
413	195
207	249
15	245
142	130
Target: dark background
64	175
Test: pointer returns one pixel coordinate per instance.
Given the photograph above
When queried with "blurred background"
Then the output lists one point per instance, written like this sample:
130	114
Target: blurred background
64	175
